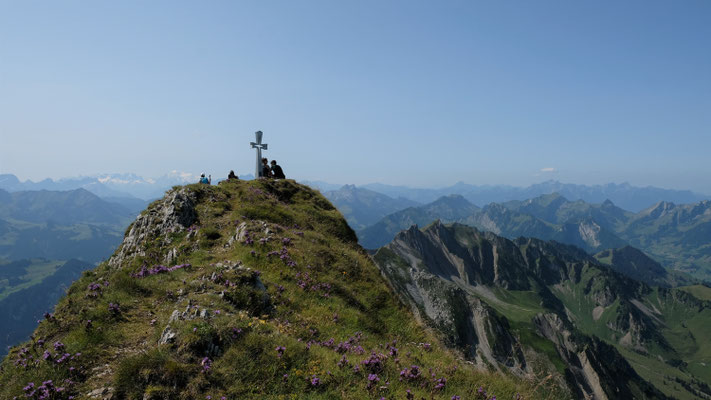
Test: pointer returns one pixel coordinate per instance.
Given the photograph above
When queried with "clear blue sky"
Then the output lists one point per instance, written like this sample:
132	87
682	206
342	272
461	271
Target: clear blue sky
401	92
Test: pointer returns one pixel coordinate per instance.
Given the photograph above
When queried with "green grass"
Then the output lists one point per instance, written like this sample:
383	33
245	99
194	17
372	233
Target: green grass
246	364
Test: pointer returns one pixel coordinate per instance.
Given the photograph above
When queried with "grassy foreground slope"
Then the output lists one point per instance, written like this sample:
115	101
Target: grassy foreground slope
264	294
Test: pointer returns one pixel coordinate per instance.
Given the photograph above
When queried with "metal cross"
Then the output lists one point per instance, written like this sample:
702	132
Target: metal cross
259	146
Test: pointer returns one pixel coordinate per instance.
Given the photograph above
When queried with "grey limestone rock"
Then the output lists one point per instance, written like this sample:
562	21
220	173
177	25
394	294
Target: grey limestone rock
174	213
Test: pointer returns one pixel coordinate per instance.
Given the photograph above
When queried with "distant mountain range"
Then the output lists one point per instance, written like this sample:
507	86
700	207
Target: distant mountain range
116	186
624	195
121	188
678	236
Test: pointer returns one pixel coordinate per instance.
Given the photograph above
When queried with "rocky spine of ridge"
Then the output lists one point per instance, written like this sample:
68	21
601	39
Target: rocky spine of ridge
450	276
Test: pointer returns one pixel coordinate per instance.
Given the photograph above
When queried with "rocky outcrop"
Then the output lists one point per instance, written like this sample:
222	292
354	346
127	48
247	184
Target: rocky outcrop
595	369
466	322
173	213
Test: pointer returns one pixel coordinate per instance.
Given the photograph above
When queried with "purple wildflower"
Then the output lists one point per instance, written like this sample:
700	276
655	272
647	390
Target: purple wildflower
206	365
315	381
114	308
440	383
372	380
411	373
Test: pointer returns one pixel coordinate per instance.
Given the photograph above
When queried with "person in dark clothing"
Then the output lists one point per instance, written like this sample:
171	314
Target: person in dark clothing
232	176
277	172
266	171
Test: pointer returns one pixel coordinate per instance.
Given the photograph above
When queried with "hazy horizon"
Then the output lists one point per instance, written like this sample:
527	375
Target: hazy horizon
406	93
195	175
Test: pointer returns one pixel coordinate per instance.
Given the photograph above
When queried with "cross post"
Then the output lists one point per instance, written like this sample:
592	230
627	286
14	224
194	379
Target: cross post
259	146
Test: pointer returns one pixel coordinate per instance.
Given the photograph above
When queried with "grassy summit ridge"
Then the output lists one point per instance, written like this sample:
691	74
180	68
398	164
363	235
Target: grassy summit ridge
264	294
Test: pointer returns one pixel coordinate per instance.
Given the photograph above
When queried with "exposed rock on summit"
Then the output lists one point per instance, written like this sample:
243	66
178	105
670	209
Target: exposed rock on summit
173	213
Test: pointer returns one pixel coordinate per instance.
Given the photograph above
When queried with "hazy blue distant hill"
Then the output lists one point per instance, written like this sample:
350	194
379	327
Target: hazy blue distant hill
324	186
66	207
363	207
447	208
60	225
637	265
132	204
557	209
91	243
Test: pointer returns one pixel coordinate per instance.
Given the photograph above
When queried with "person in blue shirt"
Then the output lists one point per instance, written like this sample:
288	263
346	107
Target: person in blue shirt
204	180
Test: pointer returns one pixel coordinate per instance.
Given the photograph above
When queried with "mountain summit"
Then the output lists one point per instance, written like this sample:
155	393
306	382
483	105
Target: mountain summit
244	290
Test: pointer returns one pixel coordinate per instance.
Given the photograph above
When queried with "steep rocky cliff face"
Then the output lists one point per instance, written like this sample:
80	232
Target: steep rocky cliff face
536	307
244	290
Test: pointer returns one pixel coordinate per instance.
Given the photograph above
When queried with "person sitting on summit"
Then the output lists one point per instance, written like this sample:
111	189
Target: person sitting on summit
266	171
204	179
232	176
277	172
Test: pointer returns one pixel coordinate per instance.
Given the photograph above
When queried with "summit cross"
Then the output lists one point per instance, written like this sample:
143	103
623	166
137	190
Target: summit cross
259	146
